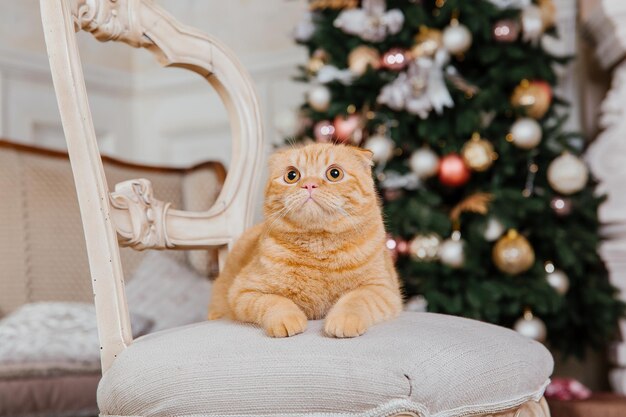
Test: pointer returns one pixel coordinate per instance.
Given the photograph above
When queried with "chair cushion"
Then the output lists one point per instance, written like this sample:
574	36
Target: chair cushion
429	364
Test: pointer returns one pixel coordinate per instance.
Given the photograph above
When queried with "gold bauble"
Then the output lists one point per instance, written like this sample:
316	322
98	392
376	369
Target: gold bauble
548	13
478	153
425	248
513	254
534	96
317	61
362	57
427	42
333	4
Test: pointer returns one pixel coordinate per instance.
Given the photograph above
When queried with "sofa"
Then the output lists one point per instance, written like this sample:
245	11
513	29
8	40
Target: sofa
43	259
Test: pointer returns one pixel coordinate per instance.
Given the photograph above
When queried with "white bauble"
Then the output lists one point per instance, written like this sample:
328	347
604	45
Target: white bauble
567	174
319	98
424	162
457	38
526	133
416	304
494	230
381	146
558	280
452	253
287	122
531	327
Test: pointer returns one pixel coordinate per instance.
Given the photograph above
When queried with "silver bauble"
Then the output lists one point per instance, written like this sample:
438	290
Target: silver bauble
567	174
424	162
457	38
452	253
381	146
531	327
319	98
494	229
526	133
558	280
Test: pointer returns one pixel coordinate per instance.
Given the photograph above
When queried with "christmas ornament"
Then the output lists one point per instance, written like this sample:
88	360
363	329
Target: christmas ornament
329	73
556	278
392	194
567	174
416	304
395	59
421	88
530	326
324	131
493	229
372	22
474	203
513	254
319	98
510	4
362	57
532	24
427	43
567	389
424	162
478	153
287	122
305	28
348	128
394	180
562	206
381	146
392	244
548	13
425	248
452	171
506	30
525	133
457	38
460	83
332	4
317	61
452	251
533	96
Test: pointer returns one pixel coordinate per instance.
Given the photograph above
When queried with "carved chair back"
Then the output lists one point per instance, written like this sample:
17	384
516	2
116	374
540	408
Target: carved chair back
132	215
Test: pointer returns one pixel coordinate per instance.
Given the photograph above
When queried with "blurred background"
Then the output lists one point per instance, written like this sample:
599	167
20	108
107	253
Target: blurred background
148	116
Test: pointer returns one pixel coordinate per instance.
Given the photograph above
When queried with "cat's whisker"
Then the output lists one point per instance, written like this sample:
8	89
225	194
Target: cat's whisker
280	214
353	222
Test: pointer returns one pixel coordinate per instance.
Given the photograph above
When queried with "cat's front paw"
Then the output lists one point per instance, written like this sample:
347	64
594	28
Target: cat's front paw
285	323
215	315
345	325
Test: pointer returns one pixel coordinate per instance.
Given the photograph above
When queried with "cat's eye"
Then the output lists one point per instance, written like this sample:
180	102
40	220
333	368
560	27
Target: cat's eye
292	176
334	174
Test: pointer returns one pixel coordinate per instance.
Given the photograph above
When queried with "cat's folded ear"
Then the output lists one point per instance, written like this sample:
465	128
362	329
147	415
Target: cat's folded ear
365	155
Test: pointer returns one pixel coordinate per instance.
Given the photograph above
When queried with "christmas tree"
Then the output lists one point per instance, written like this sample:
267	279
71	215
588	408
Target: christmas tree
490	210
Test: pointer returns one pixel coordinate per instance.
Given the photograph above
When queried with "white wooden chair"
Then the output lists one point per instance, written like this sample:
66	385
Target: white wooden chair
419	364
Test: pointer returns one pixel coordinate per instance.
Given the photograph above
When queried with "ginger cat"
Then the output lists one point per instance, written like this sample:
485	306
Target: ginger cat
319	253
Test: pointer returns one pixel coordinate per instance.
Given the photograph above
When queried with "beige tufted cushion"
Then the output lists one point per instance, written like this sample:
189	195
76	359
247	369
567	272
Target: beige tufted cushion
429	364
42	248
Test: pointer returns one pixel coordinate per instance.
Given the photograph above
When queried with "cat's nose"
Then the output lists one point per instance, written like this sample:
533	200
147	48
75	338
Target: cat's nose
310	186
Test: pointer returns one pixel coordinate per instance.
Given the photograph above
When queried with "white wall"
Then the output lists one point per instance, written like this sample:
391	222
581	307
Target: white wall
142	112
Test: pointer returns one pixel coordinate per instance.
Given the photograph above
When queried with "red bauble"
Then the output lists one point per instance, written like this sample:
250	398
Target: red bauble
452	171
395	59
346	128
324	131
